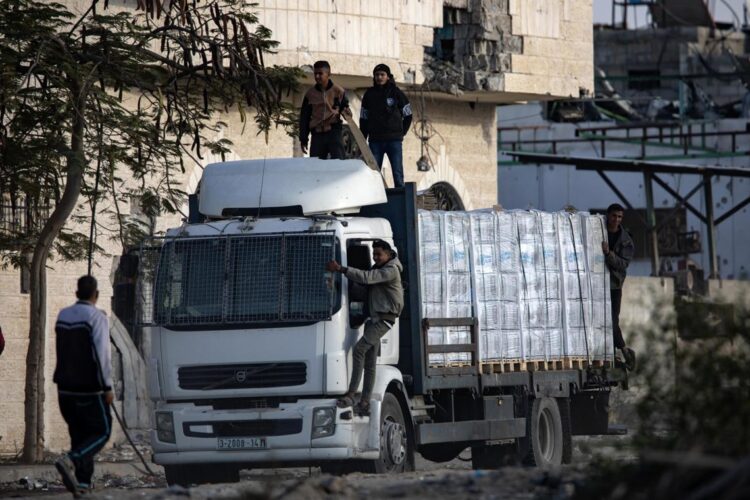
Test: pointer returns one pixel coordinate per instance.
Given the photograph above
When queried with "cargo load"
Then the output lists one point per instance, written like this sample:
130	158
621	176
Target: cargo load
536	281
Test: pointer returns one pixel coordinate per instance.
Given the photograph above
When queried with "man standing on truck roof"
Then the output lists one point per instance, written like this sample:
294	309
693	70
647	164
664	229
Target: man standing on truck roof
385	301
385	118
618	251
321	115
84	384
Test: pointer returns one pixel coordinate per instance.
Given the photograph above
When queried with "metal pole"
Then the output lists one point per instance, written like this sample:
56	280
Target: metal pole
651	220
713	262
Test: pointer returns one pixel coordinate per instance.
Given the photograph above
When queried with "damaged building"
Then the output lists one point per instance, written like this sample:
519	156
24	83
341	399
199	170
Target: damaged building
456	60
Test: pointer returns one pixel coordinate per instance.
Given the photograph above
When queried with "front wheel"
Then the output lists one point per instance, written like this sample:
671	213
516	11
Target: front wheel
395	446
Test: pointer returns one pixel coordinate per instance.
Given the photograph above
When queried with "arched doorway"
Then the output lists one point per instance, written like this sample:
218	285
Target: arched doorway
440	196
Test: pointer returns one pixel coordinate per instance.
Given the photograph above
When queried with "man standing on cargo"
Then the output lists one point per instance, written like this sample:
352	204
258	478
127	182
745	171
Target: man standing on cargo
321	115
385	118
618	251
385	301
84	384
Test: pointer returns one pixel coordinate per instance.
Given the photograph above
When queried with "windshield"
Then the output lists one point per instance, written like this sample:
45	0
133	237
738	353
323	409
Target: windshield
246	279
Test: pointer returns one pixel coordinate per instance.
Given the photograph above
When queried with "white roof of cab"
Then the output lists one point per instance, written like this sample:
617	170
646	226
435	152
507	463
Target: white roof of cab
318	186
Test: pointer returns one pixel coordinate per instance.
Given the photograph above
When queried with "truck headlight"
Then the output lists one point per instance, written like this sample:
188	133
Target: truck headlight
324	422
165	426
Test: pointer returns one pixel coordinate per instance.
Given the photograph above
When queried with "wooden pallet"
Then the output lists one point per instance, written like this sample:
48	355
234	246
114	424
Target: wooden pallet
508	366
583	363
543	365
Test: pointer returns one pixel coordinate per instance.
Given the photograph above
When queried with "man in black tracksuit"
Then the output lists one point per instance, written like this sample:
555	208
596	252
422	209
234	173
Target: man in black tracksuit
618	251
385	118
84	384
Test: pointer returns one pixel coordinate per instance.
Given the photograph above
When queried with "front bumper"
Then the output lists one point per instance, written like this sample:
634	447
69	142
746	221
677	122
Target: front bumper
196	435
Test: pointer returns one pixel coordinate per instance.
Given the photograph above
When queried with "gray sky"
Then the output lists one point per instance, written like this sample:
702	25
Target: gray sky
603	11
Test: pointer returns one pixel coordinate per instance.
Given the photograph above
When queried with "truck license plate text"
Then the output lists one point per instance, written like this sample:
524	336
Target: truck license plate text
246	443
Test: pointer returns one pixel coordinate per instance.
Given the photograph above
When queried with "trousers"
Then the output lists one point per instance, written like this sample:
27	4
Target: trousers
616	331
327	143
89	425
365	356
394	150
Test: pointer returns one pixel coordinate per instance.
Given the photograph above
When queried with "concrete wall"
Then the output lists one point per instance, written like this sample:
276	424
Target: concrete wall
514	48
558	47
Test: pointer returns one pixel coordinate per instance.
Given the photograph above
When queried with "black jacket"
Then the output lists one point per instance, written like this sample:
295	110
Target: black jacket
84	359
386	113
619	258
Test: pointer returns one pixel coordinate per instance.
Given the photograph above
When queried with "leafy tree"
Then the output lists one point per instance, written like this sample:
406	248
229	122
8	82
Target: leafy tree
88	99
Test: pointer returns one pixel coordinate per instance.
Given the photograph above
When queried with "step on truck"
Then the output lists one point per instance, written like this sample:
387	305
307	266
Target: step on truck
250	340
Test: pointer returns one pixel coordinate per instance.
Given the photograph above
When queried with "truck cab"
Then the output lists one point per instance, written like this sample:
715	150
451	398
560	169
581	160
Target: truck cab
251	336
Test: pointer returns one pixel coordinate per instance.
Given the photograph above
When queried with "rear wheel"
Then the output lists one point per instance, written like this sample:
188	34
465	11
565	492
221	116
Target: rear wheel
544	434
185	475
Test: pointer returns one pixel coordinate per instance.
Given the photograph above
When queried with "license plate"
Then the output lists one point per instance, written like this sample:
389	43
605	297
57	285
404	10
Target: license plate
246	443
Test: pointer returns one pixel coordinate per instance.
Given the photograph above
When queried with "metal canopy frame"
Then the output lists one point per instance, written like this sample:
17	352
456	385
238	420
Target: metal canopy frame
650	171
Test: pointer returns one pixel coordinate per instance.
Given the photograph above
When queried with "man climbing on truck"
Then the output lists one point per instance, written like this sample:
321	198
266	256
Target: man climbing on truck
618	251
385	301
320	115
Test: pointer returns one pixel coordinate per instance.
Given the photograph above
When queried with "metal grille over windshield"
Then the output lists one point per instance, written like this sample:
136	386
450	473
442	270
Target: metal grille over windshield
233	280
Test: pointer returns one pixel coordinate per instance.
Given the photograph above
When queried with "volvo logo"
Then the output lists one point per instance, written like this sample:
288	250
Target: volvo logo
240	376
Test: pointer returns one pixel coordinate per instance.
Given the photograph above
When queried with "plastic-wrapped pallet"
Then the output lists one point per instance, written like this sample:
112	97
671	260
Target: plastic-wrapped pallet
594	229
510	345
486	282
536	282
434	293
575	285
458	267
552	269
533	305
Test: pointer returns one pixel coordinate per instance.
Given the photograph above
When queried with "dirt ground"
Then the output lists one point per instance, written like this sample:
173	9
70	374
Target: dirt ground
452	480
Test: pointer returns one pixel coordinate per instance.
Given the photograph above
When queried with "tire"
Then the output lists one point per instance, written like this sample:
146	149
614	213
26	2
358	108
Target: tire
395	442
563	405
396	448
493	456
185	475
544	434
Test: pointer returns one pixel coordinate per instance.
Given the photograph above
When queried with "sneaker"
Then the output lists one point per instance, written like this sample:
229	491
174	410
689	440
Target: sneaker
629	355
67	470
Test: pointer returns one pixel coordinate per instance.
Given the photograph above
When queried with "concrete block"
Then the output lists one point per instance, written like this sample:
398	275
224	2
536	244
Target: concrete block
513	44
532	65
494	83
424	35
406	33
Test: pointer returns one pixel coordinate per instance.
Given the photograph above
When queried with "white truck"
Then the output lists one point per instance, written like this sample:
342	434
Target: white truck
251	339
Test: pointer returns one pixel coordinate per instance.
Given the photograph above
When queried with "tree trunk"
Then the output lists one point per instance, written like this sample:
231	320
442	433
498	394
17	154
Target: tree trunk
33	445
